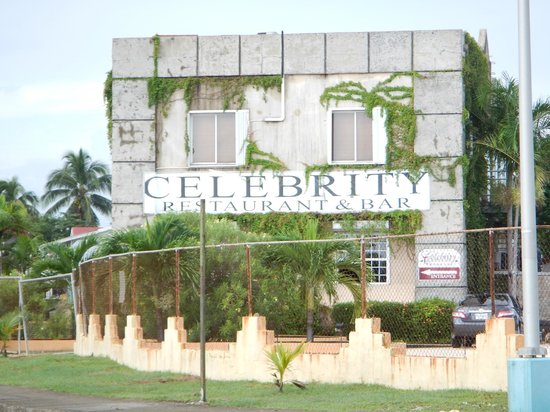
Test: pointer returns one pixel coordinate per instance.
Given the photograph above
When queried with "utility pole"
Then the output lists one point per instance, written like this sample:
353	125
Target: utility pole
202	300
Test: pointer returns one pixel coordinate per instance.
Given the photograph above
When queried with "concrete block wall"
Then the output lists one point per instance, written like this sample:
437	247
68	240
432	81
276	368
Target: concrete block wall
370	357
436	55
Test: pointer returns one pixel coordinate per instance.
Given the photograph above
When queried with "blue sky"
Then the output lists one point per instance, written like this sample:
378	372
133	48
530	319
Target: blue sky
55	55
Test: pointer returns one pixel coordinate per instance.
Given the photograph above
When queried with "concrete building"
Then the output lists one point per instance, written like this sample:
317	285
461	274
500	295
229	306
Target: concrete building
324	123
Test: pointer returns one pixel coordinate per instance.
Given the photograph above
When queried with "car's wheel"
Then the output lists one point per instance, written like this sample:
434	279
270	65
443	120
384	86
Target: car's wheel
456	341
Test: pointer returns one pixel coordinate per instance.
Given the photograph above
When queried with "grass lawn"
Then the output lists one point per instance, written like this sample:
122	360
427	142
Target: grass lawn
103	377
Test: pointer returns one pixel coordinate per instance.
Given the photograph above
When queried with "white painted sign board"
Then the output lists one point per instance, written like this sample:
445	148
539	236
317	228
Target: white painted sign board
290	191
439	264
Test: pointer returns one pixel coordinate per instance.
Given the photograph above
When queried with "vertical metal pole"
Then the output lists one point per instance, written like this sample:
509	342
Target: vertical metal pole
177	283
110	285
83	308
363	281
22	315
134	285
75	299
93	287
527	183
249	278
202	300
492	272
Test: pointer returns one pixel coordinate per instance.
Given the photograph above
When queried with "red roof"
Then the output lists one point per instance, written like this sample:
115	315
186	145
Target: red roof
80	230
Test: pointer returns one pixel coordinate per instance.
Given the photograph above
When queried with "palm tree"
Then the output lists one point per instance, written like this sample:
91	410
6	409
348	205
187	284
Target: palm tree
281	357
80	186
13	218
156	269
8	326
502	147
319	266
13	222
61	258
13	191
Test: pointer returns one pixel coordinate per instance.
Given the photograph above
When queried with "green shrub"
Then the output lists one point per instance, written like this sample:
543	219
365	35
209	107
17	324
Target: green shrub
422	321
344	314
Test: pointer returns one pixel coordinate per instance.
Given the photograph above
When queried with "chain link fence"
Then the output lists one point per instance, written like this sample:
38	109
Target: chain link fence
315	289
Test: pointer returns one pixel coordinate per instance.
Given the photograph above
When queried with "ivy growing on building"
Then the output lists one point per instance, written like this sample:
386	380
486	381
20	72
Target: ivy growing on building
108	100
477	87
400	222
258	159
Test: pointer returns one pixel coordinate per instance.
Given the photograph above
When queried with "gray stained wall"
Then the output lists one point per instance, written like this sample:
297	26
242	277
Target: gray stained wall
310	62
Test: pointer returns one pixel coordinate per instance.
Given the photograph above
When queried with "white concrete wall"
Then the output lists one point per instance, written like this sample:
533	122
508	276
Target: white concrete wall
370	357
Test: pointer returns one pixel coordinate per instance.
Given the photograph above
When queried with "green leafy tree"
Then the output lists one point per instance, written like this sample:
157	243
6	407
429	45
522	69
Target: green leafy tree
79	186
318	266
502	149
22	253
8	326
156	270
13	191
61	258
14	222
53	227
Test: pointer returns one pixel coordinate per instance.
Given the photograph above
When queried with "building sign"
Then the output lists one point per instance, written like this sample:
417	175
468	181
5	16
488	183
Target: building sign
329	192
439	264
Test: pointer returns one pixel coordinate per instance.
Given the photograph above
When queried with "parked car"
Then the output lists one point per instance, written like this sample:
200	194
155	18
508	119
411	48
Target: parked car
470	316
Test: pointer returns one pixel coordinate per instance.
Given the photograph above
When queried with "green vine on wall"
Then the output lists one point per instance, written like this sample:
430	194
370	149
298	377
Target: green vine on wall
231	89
400	222
108	100
256	158
397	101
477	86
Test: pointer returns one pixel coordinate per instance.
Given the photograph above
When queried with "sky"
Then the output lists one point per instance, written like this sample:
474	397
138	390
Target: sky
55	55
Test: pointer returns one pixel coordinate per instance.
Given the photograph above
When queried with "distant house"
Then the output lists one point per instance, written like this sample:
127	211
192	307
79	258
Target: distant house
80	232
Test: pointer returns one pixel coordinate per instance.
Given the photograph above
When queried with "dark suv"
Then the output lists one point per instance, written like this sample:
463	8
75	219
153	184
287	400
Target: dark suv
470	316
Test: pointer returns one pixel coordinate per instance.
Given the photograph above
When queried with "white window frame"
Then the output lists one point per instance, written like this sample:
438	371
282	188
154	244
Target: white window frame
379	136
374	228
241	134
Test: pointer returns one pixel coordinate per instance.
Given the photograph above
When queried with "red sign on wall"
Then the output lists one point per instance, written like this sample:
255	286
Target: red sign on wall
438	273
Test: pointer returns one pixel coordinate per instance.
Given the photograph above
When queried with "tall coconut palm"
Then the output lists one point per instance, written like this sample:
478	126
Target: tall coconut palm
80	186
502	148
156	270
13	191
319	266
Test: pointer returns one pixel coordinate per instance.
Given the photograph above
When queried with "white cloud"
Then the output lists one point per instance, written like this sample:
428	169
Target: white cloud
51	98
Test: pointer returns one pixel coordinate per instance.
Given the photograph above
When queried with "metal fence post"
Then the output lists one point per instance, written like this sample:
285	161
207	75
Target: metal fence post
202	301
134	285
492	272
363	280
177	258
249	278
93	288
110	285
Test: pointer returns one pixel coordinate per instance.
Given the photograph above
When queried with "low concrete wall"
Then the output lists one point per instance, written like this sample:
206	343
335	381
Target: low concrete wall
46	345
369	357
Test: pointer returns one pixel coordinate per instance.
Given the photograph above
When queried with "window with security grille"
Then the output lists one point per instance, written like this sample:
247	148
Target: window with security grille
376	257
377	249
